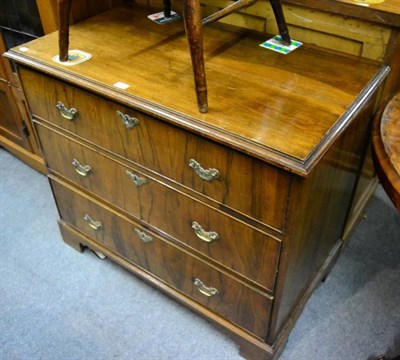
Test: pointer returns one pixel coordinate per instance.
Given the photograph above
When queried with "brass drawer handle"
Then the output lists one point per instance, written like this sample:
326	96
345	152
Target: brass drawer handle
143	236
70	114
137	180
127	120
82	170
207	236
206	174
205	290
96	225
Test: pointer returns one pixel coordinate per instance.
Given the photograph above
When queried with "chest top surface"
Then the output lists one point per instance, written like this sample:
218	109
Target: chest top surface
284	109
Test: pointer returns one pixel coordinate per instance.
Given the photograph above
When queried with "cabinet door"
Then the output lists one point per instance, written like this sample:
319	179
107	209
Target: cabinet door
16	130
11	125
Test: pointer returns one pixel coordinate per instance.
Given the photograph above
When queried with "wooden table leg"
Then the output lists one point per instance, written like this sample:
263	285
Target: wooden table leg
167	8
194	32
280	20
64	7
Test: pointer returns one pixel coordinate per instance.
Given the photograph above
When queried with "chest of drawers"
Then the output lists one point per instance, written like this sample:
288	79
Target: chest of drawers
237	213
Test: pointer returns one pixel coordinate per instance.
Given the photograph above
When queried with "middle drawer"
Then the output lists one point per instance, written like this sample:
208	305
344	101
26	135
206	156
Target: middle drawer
233	244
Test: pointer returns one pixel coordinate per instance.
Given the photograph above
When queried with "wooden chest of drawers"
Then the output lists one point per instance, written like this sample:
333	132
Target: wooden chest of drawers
236	213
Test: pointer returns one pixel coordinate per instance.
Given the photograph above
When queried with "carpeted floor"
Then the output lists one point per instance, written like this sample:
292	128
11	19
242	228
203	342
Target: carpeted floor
58	304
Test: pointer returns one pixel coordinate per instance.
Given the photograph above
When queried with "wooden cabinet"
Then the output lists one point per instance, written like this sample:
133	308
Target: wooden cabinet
16	131
19	23
237	213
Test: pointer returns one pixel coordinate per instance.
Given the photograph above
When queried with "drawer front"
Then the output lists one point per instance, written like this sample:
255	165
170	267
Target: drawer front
215	290
242	183
231	243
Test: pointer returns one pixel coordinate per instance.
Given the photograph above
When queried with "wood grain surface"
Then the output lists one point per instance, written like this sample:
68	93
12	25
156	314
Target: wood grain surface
286	108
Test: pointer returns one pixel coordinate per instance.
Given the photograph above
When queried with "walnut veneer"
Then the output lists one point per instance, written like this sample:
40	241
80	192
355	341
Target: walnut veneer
236	213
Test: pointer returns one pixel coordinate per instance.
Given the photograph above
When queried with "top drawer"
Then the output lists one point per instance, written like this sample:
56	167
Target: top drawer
240	182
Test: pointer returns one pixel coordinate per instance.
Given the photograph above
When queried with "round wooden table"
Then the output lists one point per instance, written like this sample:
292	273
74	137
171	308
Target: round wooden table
386	148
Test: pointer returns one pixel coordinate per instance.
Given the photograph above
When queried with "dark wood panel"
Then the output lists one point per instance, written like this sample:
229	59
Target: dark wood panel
318	210
10	121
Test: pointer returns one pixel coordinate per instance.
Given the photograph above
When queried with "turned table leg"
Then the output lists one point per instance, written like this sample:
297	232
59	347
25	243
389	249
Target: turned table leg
280	20
193	26
167	8
64	7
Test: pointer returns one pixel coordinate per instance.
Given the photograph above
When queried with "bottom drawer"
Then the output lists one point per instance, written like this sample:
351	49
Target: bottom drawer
203	283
